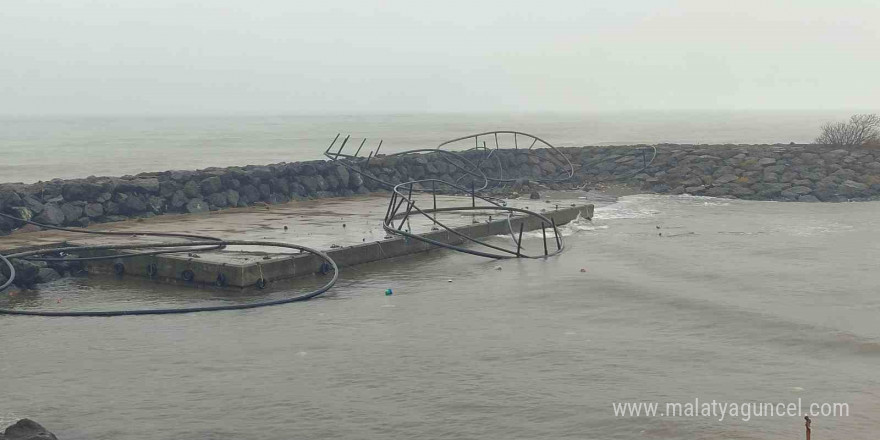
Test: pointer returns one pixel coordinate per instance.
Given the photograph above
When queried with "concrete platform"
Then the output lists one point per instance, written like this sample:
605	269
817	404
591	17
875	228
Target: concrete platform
348	230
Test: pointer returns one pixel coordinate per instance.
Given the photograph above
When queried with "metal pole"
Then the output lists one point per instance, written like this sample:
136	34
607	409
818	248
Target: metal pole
556	233
496	140
434	193
409	206
519	241
343	145
473	195
544	233
332	143
515	144
378	148
362	146
390	204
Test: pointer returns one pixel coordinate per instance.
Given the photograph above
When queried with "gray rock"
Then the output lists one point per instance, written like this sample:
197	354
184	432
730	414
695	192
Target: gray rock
26	429
71	212
140	186
47	275
808	198
167	188
103	197
265	190
855	185
766	161
218	199
342	175
6	225
211	185
156	204
233	197
191	190
535	195
355	180
20	212
51	215
94	210
132	204
196	206
9	197
31	202
726	178
800	190
249	194
111	208
25	273
178	200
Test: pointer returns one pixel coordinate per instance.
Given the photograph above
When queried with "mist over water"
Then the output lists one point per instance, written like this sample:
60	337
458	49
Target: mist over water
35	149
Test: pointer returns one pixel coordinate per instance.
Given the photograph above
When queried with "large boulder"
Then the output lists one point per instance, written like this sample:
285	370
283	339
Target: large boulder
178	200
26	273
233	197
211	185
249	194
51	215
191	190
72	212
93	210
131	203
26	429
196	206
218	200
142	186
32	203
8	197
47	275
86	191
343	175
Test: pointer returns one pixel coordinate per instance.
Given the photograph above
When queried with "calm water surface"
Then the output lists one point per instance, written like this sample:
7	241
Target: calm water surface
736	301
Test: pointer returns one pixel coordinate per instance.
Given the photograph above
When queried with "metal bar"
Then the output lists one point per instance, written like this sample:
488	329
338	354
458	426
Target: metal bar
344	141
359	148
556	233
332	143
519	241
393	213
515	144
533	143
544	233
390	204
409	206
473	195
378	148
496	140
434	193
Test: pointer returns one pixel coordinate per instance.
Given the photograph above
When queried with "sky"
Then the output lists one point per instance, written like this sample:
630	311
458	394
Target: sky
160	57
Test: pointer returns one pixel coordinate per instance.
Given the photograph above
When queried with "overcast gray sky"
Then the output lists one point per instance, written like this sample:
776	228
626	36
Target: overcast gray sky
339	56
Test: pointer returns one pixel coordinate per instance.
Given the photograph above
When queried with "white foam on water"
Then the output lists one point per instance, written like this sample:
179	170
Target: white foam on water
626	208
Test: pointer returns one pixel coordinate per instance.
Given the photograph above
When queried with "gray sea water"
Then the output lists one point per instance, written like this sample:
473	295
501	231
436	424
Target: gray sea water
34	149
736	301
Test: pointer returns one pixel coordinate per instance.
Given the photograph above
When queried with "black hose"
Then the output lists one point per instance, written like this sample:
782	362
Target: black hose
166	311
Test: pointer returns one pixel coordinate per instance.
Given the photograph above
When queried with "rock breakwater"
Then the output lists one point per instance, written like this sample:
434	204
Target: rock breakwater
806	173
